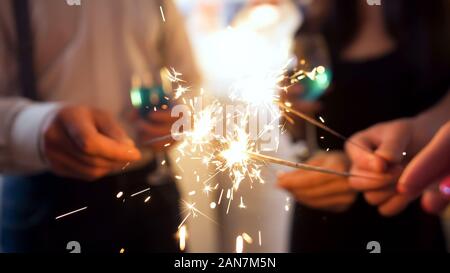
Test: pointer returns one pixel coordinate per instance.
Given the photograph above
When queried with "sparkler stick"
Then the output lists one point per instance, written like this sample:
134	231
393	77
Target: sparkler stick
322	126
303	166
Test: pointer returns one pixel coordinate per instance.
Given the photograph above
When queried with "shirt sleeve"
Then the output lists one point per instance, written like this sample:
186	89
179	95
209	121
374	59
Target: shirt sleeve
21	120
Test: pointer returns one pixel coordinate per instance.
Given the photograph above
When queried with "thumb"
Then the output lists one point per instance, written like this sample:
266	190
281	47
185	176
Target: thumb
357	148
109	127
394	142
429	165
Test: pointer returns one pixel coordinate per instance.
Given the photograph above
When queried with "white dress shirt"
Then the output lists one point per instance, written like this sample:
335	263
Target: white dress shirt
86	55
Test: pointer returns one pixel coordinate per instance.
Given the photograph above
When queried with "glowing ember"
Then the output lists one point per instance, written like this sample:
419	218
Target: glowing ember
248	239
239	244
70	213
162	14
182	236
242	205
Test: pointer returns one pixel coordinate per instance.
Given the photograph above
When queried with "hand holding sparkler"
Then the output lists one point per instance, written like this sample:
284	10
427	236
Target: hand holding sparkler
389	154
87	144
321	190
428	167
395	142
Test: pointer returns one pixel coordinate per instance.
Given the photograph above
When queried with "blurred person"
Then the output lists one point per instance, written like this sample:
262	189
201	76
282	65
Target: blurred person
66	120
419	146
388	62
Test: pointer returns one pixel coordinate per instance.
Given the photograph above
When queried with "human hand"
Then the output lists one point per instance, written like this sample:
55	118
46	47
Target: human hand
427	168
86	143
318	190
389	141
158	124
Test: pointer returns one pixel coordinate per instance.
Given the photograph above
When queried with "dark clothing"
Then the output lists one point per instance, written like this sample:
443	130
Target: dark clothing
363	94
31	204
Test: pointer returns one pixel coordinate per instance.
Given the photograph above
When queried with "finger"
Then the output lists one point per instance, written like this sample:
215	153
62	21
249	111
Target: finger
429	165
161	117
378	197
434	202
301	180
110	149
395	205
368	181
444	187
394	142
65	145
361	158
107	126
335	187
83	132
73	168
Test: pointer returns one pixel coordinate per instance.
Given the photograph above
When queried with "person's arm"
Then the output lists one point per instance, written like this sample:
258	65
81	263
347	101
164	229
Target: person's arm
21	120
71	141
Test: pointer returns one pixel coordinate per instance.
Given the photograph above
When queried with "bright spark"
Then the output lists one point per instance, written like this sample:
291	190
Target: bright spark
139	192
248	239
182	236
239	244
162	14
69	213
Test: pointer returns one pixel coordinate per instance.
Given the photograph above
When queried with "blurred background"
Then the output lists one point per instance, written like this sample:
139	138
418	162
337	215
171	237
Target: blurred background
232	38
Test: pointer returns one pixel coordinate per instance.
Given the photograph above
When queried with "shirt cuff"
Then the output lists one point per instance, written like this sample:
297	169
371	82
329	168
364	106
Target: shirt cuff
26	134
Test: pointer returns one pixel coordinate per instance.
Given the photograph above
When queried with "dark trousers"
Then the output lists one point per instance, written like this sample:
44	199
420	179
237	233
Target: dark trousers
31	204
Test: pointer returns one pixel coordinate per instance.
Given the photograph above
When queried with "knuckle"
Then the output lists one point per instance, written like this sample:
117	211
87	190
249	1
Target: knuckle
372	199
86	145
386	212
94	174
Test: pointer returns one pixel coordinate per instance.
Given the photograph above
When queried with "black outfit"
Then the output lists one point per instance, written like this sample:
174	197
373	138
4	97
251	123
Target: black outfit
398	84
31	204
362	94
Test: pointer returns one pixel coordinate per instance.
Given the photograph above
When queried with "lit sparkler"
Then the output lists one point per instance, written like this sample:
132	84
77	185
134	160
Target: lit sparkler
288	109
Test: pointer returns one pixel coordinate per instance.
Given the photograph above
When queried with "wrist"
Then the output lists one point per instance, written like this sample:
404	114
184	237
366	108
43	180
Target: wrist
26	135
